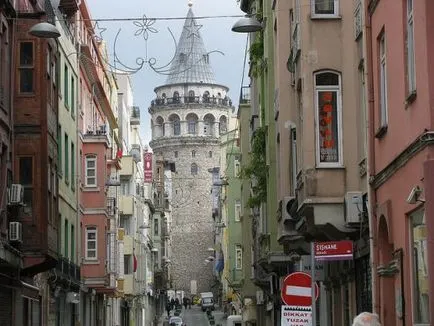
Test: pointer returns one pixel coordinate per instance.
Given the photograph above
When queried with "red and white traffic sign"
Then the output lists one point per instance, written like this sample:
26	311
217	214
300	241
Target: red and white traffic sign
334	250
297	290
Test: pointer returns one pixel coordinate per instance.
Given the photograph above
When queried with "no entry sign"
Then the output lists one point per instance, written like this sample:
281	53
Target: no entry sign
334	250
296	290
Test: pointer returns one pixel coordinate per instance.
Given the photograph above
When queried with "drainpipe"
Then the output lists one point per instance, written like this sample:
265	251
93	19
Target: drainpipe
370	169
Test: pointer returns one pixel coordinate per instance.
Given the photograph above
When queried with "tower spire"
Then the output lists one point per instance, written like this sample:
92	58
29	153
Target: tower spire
191	62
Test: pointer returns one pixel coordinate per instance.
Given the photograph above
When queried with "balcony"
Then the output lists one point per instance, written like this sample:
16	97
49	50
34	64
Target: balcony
135	116
128	166
126	205
129	284
68	273
182	100
128	245
68	7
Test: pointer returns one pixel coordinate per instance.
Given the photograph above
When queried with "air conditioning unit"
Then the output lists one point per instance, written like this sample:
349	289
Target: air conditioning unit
16	192
287	214
15	232
353	206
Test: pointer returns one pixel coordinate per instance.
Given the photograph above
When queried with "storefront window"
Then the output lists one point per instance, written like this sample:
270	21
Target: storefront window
420	268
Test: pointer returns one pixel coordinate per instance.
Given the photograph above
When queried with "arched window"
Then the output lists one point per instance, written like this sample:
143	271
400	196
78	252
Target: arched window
223	125
191	96
329	118
193	153
159	127
176	125
193	169
175	97
192	123
208	128
205	97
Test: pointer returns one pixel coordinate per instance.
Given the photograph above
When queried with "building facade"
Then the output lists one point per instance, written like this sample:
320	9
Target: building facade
399	48
189	113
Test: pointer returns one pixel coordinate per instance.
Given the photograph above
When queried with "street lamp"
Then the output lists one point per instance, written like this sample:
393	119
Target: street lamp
247	24
44	30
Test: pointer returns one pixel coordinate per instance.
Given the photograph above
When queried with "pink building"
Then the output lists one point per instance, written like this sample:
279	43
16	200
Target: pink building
400	53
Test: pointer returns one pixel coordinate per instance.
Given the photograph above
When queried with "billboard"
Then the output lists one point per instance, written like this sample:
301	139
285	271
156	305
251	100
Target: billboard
147	167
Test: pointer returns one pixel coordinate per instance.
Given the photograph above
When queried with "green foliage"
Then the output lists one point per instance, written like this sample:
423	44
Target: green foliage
257	169
257	55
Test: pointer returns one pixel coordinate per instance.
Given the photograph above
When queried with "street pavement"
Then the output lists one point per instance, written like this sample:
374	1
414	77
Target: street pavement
195	317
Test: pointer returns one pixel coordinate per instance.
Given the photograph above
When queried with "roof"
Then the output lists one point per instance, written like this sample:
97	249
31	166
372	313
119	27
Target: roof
191	62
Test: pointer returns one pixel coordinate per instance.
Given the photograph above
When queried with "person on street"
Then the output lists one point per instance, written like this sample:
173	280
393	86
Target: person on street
168	308
366	319
185	302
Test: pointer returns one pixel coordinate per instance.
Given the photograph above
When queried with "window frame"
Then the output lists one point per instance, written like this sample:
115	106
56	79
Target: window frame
91	229
411	64
24	67
237	209
414	215
338	90
238	259
335	14
66	161
90	157
382	81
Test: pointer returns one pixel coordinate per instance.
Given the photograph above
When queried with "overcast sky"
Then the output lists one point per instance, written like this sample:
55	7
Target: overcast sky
216	34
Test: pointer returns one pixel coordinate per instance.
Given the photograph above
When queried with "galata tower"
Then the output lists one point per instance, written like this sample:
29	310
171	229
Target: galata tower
189	114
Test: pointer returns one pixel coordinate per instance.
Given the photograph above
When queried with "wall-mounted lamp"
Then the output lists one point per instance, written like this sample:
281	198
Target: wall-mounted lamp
414	196
44	30
247	24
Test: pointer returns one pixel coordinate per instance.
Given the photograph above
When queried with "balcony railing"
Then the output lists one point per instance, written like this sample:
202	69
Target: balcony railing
68	271
191	100
245	95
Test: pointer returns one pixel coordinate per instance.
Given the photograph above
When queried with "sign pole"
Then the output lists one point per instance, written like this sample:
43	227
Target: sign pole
313	287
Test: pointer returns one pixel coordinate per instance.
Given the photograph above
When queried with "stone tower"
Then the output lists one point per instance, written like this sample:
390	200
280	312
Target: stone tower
188	115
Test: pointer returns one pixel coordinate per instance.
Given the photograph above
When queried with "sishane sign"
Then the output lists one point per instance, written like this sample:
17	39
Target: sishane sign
334	250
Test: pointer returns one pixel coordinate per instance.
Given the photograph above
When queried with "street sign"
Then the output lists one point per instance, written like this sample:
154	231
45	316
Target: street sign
334	250
306	266
297	290
296	316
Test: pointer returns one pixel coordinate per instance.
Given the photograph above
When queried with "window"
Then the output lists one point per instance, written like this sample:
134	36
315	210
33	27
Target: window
72	166
176	127
176	154
26	67
210	154
72	243
191	126
125	224
193	153
66	158
156	227
325	8
193	169
66	242
237	167
72	96
418	243
237	210
90	172
59	149
91	243
238	257
411	73
383	82
5	58
66	86
328	114
26	180
128	264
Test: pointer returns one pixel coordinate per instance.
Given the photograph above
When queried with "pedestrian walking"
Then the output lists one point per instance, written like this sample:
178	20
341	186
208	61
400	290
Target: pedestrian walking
168	308
366	319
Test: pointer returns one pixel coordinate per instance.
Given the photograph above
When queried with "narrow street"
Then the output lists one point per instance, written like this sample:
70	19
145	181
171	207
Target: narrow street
195	317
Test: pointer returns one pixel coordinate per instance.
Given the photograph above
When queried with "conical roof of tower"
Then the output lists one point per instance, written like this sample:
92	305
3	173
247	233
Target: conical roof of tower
191	62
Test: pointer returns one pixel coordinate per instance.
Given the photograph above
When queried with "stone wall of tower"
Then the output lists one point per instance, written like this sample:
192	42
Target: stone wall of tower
192	230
